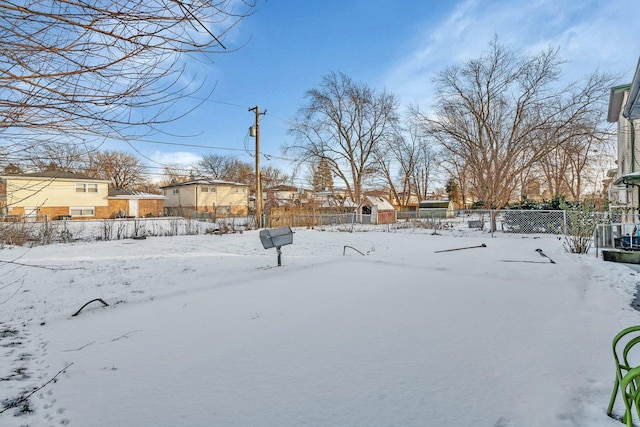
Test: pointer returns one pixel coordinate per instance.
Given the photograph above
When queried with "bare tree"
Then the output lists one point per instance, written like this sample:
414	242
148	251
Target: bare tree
217	166
123	169
54	155
455	167
408	160
503	112
272	177
76	69
569	168
173	174
343	122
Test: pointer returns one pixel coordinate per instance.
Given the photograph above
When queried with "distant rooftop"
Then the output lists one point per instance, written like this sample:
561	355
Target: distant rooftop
204	182
55	175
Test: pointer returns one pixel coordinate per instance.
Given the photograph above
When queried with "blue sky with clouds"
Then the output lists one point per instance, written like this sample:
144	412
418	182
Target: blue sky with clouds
398	45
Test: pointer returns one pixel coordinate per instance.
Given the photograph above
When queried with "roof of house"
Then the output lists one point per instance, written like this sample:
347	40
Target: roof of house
54	175
616	95
282	188
632	107
204	182
632	178
118	193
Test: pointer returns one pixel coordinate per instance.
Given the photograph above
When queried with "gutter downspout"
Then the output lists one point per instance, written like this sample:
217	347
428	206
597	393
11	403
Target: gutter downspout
633	164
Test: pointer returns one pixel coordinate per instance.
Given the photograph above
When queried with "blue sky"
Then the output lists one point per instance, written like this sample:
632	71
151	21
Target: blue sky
397	45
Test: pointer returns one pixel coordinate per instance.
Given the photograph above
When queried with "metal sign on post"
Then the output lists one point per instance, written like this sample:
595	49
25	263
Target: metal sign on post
275	238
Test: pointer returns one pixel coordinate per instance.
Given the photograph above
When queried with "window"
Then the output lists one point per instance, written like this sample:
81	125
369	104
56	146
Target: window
86	188
176	191
241	190
82	211
207	189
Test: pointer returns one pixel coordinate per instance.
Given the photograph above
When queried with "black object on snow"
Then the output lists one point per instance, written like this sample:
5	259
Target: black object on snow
459	249
544	255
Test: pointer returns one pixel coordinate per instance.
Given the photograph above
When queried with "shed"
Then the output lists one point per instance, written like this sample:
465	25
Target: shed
376	210
436	209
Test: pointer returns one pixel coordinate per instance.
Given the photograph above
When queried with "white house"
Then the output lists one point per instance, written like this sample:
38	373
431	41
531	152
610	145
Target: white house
624	109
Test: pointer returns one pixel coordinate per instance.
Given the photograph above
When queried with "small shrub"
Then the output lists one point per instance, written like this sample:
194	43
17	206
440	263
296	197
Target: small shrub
581	223
107	229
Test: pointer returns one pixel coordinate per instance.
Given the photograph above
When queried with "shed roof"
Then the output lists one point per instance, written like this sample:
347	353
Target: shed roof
435	204
379	202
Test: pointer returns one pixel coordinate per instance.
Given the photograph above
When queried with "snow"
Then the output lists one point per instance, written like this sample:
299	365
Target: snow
206	330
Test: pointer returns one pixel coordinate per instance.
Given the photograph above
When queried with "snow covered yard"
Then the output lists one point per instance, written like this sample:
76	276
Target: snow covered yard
205	331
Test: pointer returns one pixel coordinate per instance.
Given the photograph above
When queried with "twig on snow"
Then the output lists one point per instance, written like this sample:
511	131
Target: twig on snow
14	294
27	396
125	335
351	247
41	266
79	348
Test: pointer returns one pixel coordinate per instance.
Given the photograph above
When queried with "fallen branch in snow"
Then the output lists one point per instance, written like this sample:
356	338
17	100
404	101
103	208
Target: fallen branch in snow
93	300
125	335
459	249
15	293
345	249
517	260
41	266
80	348
19	400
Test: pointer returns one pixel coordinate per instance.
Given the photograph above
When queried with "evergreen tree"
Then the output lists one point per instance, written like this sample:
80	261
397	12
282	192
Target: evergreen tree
322	177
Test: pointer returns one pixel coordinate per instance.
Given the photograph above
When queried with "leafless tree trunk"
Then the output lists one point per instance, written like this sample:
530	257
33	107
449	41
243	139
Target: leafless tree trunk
501	113
342	123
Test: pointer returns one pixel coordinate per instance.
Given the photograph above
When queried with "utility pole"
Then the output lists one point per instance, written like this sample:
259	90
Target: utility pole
255	132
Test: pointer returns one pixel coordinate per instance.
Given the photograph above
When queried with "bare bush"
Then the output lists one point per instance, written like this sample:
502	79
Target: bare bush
581	223
107	229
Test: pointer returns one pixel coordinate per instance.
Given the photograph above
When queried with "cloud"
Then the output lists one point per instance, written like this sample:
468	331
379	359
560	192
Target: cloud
589	35
182	159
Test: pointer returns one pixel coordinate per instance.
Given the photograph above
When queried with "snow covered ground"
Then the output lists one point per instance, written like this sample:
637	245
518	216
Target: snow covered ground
205	330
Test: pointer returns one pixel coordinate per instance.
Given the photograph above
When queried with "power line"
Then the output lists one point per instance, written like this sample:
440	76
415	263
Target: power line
179	144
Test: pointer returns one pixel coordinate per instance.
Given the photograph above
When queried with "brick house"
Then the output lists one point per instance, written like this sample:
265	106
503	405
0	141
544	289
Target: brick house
56	194
216	197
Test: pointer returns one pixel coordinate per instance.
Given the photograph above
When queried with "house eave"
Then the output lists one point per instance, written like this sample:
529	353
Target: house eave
632	107
632	178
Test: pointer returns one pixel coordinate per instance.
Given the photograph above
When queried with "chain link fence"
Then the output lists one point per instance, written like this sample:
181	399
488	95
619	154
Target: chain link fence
64	231
610	230
506	221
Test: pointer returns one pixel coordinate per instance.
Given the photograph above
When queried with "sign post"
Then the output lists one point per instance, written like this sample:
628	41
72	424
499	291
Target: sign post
275	238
